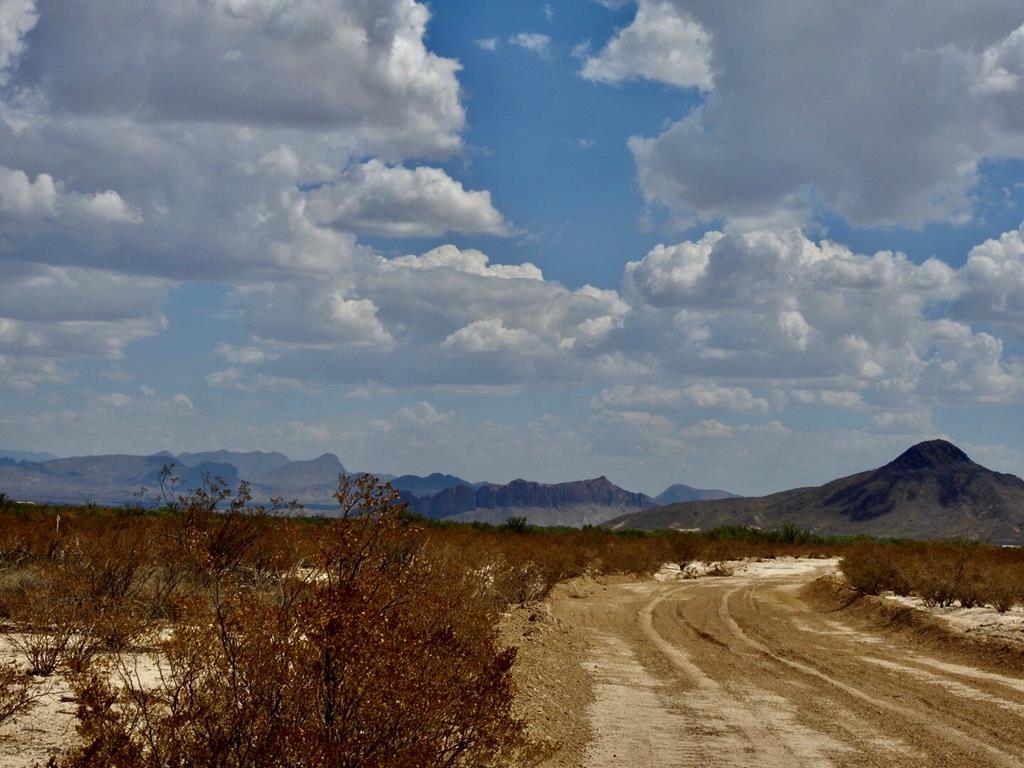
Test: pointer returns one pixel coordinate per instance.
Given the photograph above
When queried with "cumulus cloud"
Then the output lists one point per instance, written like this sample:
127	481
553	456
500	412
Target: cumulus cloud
469	261
487	336
772	303
210	149
310	314
994	275
25	198
663	43
881	117
247	63
401	202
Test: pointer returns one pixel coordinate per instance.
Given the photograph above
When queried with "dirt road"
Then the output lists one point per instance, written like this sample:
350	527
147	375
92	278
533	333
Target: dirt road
740	671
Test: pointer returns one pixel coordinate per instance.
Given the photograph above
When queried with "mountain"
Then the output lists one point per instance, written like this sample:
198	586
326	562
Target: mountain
251	465
117	479
583	502
425	486
110	479
17	456
313	483
932	490
680	492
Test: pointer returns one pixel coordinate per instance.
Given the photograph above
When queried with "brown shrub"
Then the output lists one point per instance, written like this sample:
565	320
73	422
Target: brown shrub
16	697
870	569
381	658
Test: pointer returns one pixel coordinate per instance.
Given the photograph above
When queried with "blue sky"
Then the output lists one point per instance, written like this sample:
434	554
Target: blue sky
665	240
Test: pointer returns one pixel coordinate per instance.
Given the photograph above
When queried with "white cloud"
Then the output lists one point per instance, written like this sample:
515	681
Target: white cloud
487	43
531	41
401	202
110	207
879	117
706	394
313	315
711	428
147	399
385	87
470	261
17	18
24	198
487	336
831	398
245	355
994	274
663	43
21	196
51	316
771	303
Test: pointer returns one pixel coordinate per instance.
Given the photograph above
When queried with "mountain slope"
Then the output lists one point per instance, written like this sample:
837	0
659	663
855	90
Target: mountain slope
576	503
933	490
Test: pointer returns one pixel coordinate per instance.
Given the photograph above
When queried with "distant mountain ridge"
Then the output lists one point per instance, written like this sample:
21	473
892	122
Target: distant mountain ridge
581	502
118	479
250	465
110	479
680	492
931	490
425	486
17	456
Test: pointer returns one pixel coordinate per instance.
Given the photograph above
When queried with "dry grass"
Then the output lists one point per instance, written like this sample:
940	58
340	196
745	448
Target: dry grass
940	573
367	639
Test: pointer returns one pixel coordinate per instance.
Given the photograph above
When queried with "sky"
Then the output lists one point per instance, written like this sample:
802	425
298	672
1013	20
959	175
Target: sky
735	245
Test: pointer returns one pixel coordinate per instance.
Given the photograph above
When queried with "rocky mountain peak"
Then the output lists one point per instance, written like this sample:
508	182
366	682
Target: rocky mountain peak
931	454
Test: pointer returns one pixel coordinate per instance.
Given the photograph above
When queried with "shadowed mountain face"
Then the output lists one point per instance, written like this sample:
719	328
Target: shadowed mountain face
576	503
933	490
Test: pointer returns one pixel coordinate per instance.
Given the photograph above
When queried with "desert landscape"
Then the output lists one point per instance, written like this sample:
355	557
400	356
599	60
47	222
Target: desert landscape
533	384
214	631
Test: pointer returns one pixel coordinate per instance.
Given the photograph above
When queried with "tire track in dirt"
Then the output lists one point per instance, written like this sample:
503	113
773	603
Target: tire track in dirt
739	671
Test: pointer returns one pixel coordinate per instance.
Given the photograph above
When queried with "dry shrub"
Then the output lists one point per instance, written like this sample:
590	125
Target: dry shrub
942	574
16	697
870	568
1001	586
382	658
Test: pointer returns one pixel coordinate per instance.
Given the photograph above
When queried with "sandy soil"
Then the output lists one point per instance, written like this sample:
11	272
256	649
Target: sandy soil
50	725
743	670
980	621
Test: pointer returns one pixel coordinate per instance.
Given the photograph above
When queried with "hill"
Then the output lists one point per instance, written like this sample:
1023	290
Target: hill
933	490
582	502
